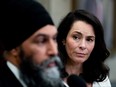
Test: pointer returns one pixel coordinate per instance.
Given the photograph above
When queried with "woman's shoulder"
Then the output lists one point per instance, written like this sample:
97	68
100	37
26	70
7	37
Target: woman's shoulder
105	83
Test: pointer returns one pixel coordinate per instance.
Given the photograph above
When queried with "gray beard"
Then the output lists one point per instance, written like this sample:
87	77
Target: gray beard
50	75
40	75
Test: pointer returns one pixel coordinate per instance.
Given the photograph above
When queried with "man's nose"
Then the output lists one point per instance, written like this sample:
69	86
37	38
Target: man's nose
52	48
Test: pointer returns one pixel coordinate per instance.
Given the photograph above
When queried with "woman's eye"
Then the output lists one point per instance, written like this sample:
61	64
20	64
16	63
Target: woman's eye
90	40
75	37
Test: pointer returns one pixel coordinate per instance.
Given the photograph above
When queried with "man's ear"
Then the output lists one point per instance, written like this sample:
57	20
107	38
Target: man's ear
15	51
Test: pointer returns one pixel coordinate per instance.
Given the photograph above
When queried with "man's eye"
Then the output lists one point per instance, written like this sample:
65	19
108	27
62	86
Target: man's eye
55	39
40	41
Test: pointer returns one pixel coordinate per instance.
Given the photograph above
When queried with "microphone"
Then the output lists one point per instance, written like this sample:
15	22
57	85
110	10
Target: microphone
76	81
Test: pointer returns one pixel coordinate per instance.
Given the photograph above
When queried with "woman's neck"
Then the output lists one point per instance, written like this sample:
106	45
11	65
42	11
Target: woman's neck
72	68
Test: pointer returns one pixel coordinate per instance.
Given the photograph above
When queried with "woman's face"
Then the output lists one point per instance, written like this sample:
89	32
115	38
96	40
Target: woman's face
80	41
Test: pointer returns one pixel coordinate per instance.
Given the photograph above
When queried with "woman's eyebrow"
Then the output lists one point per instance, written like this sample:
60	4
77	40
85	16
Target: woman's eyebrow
77	32
90	36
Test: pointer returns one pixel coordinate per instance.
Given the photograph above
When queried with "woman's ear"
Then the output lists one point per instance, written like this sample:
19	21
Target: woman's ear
63	42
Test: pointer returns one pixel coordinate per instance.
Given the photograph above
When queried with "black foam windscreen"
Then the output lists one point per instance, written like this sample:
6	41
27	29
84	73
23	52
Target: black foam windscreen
76	81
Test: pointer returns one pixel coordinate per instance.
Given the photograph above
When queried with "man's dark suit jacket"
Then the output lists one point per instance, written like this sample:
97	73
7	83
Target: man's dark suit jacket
7	78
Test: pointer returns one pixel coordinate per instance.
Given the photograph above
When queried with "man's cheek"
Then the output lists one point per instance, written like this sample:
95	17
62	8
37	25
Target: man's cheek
38	59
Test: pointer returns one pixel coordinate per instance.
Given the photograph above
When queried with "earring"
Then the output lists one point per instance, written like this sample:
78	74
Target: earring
63	42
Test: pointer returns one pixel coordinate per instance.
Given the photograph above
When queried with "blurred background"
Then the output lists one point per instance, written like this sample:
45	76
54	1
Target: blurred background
103	9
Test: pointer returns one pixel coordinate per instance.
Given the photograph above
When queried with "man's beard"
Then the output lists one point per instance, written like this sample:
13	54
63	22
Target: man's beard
40	75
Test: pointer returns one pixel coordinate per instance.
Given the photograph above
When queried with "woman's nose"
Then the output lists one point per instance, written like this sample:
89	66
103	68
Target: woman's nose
82	44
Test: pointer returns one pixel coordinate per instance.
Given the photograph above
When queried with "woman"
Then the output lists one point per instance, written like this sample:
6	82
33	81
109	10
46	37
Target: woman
82	48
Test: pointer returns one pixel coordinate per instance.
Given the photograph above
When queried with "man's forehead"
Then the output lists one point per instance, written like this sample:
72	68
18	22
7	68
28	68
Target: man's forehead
46	31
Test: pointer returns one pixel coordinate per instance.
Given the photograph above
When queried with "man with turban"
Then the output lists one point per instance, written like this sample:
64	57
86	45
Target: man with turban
28	41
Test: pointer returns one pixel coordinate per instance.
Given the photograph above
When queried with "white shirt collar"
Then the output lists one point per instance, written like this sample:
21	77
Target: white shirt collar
16	72
65	84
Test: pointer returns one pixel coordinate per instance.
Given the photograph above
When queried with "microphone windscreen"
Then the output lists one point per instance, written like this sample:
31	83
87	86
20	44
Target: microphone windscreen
76	81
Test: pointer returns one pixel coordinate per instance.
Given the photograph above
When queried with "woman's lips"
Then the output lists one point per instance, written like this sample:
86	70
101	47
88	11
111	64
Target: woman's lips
80	54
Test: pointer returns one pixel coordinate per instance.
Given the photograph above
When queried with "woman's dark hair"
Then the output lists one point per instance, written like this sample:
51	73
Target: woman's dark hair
94	68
